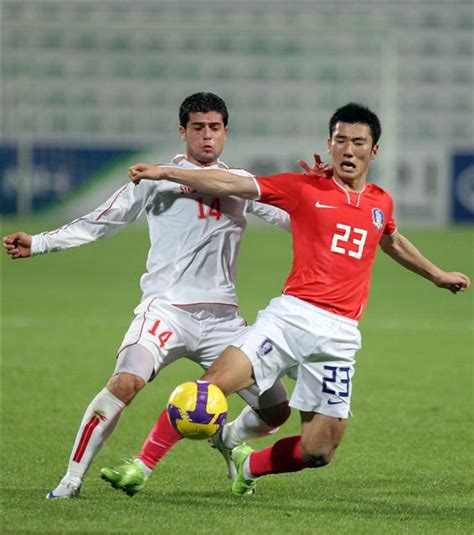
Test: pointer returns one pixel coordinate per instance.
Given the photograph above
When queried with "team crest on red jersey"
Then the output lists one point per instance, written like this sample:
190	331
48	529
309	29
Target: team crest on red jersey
378	218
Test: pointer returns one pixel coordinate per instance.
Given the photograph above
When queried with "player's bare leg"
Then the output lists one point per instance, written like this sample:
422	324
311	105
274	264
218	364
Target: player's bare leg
232	371
314	448
101	418
125	386
320	436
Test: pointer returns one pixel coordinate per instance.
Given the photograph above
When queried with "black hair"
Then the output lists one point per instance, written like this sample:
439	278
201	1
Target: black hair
357	113
202	103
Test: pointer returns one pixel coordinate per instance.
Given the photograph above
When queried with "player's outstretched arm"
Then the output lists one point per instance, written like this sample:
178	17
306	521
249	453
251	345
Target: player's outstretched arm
17	245
407	255
214	181
123	207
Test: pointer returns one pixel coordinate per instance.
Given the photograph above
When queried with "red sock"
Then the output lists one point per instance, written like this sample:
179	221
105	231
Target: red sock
284	456
161	439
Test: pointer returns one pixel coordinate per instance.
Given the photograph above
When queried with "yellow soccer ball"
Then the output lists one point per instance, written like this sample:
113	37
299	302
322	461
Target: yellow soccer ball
197	409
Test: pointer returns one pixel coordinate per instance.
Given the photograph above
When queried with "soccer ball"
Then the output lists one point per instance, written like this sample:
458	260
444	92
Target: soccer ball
197	409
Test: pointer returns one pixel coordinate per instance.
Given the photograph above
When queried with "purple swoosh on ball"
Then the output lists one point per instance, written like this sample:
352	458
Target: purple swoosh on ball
174	415
200	414
221	419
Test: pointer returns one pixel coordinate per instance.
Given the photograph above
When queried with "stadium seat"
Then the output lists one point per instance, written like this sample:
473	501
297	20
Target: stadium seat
290	62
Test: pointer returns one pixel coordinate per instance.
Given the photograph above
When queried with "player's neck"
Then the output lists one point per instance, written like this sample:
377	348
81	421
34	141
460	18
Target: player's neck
357	185
200	164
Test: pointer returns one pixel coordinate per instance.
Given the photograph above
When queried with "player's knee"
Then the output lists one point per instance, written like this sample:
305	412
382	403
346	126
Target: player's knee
228	381
318	455
217	378
276	415
125	386
231	372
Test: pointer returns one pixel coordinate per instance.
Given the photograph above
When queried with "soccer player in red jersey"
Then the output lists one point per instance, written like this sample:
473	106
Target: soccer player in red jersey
311	331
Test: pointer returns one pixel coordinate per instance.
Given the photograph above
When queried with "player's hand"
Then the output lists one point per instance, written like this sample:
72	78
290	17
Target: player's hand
320	168
144	171
17	245
453	281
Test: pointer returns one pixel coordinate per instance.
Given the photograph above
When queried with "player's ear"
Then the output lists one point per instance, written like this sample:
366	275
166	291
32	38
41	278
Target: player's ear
182	133
329	145
375	150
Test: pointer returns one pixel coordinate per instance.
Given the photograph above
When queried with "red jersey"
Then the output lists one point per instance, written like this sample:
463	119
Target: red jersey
335	237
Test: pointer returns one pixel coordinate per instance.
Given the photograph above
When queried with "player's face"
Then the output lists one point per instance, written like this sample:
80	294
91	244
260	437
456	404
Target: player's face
351	150
204	135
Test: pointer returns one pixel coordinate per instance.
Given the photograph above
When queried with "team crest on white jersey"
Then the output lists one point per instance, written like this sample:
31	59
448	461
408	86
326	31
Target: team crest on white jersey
378	218
265	347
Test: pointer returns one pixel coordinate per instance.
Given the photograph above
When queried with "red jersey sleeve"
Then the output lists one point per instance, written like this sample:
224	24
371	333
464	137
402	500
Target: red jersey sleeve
282	190
391	225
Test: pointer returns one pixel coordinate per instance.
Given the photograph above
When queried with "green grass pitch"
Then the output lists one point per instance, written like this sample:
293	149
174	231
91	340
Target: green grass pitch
405	464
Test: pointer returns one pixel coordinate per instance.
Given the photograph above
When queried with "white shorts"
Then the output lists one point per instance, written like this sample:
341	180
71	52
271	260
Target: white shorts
198	332
315	347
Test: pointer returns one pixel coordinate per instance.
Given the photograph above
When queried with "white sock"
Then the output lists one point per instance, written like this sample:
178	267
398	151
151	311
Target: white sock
146	469
246	426
99	421
247	474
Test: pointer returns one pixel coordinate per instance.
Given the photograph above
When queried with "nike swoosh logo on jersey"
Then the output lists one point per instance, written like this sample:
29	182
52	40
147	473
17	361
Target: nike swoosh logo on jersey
332	402
320	205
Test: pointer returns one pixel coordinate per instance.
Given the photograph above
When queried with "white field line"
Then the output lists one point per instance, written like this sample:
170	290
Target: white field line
22	322
395	324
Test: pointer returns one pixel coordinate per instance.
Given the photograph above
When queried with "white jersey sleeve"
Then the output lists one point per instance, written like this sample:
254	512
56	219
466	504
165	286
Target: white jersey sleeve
123	207
270	214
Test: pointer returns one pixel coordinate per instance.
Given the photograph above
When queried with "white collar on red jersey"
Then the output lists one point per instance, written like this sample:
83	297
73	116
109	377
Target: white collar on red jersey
347	193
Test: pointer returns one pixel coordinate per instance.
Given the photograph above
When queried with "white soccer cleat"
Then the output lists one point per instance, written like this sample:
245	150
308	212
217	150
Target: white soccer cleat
216	442
66	489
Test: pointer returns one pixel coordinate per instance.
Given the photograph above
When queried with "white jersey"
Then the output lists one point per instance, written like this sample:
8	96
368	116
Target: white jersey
194	237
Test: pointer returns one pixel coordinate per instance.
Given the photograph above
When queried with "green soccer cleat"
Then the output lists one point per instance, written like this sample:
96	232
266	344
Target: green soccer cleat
129	477
242	486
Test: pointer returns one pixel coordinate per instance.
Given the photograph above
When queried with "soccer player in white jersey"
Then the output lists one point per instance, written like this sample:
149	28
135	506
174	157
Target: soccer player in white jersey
311	331
189	303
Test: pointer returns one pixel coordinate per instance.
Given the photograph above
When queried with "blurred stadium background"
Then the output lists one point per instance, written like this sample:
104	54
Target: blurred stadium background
88	87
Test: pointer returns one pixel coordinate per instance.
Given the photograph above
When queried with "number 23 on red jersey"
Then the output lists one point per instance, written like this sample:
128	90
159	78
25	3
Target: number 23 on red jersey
349	235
